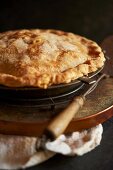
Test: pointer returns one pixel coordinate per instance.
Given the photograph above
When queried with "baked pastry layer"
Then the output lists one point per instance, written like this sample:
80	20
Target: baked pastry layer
41	58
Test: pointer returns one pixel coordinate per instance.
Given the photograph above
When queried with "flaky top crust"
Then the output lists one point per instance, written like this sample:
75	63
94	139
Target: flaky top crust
41	58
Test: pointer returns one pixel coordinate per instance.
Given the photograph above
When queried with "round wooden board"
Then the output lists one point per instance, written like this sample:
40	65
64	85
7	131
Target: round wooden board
32	121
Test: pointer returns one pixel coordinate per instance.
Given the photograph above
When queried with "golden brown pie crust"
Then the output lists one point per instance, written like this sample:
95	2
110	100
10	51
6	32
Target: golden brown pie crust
41	58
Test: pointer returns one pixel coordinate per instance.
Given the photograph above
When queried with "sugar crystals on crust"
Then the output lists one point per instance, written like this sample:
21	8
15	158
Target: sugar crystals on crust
41	58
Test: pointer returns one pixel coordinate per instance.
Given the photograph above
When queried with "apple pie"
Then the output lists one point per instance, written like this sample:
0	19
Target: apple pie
41	58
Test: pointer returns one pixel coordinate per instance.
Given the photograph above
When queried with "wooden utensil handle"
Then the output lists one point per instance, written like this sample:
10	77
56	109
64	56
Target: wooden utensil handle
62	120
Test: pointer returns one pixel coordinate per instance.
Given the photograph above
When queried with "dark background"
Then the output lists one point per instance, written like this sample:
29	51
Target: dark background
90	18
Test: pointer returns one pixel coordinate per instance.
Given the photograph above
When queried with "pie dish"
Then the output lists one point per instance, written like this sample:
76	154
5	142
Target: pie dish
41	58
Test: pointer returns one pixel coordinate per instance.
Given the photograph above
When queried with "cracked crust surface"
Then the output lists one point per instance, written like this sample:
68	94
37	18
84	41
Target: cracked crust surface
41	58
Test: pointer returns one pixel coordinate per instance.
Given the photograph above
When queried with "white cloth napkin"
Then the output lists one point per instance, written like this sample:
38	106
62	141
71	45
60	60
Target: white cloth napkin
77	143
20	152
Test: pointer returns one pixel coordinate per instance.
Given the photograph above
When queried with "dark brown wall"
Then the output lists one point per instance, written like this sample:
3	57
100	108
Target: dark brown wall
91	18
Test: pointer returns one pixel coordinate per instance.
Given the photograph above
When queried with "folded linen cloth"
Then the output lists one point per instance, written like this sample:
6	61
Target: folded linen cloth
77	143
20	152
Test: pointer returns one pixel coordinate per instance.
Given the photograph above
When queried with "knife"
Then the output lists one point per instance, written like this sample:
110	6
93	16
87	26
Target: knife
59	124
